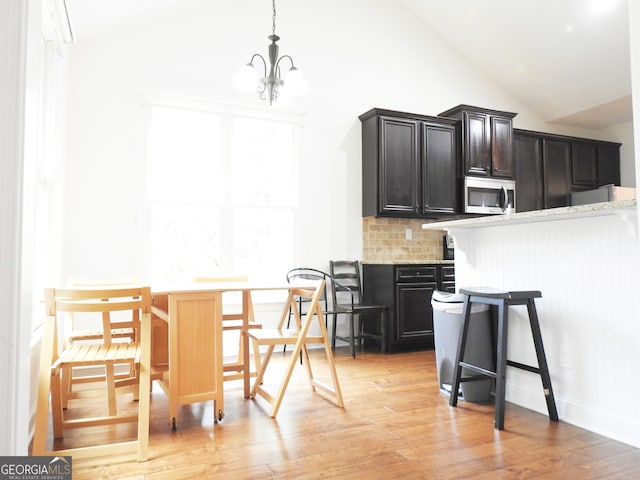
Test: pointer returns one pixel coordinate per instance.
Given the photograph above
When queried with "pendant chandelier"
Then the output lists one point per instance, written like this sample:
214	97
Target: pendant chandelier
271	85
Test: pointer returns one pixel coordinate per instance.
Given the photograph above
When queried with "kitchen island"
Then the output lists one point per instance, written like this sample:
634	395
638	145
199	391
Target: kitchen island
586	262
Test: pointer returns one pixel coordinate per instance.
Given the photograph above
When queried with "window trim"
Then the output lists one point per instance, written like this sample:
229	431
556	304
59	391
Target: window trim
156	99
153	99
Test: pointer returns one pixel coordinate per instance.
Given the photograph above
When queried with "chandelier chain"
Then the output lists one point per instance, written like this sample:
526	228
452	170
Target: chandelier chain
273	28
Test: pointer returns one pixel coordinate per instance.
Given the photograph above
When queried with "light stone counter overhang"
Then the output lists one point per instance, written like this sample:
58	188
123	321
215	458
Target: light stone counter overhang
622	208
409	262
462	230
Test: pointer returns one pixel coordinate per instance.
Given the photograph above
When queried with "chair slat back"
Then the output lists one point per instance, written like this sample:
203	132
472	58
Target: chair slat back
97	299
128	328
347	281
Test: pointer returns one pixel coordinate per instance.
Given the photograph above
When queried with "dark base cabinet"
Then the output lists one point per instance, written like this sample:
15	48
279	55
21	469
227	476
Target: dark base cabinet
406	290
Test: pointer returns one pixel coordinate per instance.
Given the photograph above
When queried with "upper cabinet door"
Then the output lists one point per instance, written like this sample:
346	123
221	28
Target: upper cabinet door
399	166
556	172
528	160
584	165
502	147
476	144
439	169
608	164
487	140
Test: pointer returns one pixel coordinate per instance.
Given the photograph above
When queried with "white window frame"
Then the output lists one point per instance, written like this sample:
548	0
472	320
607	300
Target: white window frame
154	99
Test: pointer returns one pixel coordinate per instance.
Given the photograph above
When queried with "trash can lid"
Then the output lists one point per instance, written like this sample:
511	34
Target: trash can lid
446	297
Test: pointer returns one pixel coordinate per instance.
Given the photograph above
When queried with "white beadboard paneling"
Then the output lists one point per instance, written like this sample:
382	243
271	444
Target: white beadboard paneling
588	272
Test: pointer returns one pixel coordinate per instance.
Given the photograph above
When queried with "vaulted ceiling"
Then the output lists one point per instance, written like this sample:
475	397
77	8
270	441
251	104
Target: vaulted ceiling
567	60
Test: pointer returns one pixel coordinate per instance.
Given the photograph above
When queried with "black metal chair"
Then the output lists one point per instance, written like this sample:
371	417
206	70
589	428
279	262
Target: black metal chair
304	273
346	289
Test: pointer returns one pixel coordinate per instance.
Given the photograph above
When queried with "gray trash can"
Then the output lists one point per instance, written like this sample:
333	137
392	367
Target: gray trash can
447	323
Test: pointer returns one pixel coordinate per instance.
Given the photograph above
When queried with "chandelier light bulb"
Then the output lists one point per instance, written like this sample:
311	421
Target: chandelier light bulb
295	83
246	79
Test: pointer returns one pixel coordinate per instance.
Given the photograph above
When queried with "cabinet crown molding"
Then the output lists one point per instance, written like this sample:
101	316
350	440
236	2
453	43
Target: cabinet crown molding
453	112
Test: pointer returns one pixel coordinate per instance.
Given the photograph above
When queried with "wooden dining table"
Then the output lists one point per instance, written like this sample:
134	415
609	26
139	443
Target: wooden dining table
187	351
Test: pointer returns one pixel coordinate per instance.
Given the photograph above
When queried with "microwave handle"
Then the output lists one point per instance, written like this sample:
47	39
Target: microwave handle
505	198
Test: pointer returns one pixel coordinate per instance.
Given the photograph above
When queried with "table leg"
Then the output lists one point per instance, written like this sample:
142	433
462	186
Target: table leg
246	364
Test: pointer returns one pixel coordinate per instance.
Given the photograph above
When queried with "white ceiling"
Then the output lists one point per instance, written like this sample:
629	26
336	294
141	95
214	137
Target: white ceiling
567	60
561	58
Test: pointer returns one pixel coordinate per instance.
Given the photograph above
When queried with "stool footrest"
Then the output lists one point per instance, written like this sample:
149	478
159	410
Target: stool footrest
522	366
492	374
482	371
473	378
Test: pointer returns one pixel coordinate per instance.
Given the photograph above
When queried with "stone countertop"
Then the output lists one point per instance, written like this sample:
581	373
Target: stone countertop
410	262
620	207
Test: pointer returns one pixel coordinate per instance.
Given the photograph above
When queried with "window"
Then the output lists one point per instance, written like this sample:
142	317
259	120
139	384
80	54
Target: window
41	156
222	195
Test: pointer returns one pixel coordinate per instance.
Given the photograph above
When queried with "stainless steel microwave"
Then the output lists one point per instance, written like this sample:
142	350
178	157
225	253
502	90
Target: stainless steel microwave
489	195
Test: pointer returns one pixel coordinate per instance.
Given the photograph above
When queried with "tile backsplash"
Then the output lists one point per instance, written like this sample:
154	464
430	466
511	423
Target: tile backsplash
384	240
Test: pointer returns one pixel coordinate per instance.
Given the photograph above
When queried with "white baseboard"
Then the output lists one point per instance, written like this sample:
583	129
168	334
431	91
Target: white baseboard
621	429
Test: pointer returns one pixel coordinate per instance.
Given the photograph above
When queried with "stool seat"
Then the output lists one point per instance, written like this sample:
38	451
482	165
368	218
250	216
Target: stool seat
489	292
502	300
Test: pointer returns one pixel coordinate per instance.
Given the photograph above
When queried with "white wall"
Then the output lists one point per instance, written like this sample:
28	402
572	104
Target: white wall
634	52
356	55
623	133
16	109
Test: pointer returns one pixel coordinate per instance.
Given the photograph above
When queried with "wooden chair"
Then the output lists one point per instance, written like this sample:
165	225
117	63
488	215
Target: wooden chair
98	301
300	338
233	322
103	330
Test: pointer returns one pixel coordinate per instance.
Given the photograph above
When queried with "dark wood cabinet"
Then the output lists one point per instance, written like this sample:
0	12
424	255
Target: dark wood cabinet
502	146
549	168
528	159
447	279
413	165
476	143
556	171
407	291
439	163
397	150
608	163
584	165
414	323
487	140
409	165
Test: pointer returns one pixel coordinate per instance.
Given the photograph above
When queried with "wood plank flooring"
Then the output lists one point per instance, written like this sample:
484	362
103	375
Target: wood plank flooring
395	424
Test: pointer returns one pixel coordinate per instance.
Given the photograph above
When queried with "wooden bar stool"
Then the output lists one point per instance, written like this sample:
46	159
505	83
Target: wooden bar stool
502	300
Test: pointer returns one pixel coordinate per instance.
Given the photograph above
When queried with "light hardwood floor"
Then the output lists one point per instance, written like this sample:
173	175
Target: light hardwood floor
396	424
